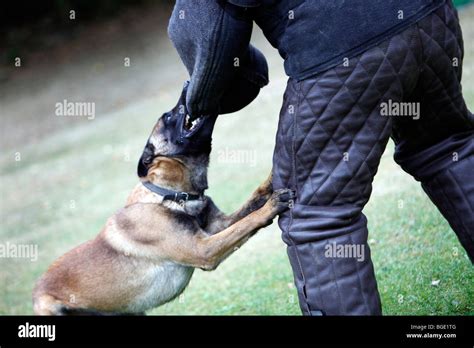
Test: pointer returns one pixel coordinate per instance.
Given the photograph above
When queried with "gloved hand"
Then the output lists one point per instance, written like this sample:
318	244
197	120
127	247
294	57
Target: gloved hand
249	79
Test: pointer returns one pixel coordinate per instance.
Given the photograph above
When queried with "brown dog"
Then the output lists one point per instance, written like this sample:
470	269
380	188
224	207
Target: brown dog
146	253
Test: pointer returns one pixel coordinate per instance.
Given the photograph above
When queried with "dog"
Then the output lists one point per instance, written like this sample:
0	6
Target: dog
147	251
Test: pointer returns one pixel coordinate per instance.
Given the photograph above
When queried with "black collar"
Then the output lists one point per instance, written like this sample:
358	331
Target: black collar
170	195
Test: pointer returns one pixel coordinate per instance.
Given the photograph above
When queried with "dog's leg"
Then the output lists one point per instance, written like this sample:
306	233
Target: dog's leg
258	198
208	251
218	221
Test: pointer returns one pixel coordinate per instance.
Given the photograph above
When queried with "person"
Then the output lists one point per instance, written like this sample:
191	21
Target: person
360	71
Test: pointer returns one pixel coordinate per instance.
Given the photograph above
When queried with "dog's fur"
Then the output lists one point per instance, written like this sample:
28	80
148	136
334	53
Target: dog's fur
146	253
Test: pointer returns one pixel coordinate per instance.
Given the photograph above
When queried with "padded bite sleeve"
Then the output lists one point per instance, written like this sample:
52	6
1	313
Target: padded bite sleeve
212	38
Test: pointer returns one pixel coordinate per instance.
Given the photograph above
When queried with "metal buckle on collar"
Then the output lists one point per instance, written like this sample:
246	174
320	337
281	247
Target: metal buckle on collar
181	197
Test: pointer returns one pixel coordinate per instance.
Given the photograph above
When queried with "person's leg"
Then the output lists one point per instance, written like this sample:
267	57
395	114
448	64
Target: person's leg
438	149
330	139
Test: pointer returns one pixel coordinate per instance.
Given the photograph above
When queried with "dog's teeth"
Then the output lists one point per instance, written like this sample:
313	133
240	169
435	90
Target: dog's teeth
190	125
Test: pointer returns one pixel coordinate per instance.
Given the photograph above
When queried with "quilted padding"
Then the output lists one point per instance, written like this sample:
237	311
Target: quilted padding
331	134
331	137
439	91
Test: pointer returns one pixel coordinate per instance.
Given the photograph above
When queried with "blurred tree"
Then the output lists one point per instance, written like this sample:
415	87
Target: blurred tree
24	23
19	12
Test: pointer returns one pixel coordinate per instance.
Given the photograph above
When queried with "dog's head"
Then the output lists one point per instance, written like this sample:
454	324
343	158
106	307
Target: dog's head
176	136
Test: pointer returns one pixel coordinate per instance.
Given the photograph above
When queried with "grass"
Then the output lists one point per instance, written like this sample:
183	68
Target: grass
68	182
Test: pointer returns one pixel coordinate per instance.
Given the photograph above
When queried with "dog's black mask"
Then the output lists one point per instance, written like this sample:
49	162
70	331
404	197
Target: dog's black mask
176	135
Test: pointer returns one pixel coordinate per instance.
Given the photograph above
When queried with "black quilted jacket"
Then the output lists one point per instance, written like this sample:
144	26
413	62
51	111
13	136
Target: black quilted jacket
212	37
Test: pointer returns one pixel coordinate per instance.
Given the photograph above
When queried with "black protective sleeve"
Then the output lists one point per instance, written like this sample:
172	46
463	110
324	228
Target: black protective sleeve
212	38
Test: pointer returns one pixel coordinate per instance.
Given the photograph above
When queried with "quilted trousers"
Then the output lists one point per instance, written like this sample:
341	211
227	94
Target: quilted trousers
332	132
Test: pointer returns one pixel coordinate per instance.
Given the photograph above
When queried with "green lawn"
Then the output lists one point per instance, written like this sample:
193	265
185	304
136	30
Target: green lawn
68	182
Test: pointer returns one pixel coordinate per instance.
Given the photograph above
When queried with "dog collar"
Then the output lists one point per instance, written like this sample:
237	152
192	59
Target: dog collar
170	195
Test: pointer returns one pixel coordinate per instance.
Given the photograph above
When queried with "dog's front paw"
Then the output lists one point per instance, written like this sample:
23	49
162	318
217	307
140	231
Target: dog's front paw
279	201
282	199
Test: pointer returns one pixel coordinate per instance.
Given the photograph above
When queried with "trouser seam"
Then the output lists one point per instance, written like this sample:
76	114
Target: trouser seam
337	285
366	302
293	178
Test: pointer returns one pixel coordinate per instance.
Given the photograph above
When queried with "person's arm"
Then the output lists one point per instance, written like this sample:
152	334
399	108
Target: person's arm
212	38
